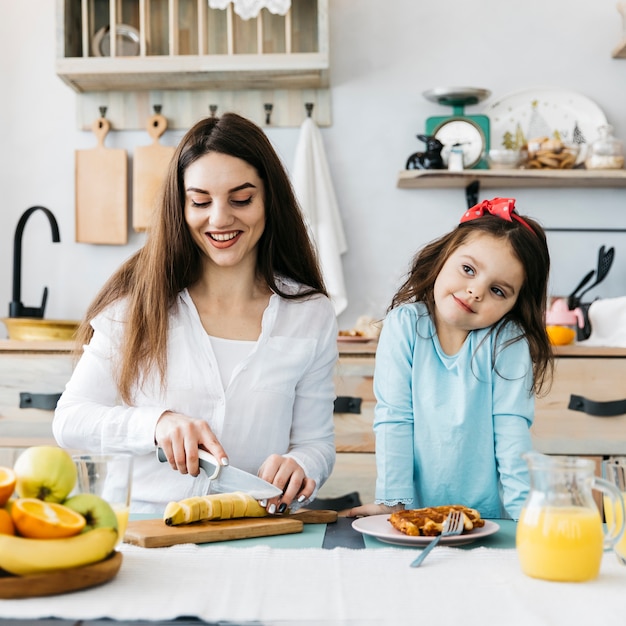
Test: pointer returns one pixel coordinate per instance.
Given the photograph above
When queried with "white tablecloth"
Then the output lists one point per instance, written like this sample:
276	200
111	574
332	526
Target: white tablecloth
267	586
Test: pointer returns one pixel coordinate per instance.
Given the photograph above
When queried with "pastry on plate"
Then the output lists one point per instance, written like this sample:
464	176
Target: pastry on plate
429	521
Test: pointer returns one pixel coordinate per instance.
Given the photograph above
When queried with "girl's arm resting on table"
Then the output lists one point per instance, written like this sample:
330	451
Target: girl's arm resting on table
514	407
393	417
512	439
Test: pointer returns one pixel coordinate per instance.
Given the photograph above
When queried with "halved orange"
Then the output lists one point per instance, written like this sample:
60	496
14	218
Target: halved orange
560	335
38	519
6	523
7	484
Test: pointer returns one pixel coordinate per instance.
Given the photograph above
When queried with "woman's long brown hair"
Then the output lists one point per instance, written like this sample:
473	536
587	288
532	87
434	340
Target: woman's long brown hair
170	260
529	312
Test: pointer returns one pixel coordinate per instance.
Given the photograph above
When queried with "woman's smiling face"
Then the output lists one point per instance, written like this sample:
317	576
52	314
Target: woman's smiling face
224	208
477	286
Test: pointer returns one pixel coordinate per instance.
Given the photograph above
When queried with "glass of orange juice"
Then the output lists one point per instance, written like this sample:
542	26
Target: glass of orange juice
614	471
110	477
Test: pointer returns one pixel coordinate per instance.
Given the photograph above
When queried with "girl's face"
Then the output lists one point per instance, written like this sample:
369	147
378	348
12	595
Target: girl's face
224	208
477	286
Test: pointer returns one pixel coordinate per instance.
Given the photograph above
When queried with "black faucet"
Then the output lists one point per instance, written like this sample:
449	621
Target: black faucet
16	308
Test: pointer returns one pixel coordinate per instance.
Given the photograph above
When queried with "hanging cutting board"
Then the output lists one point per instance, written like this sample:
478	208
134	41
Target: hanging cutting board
154	533
102	191
150	165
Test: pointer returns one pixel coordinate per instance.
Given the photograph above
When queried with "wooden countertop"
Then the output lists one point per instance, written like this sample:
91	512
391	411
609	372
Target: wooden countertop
346	348
13	345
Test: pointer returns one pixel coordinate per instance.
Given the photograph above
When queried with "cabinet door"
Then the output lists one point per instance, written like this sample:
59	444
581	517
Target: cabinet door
559	430
354	378
32	373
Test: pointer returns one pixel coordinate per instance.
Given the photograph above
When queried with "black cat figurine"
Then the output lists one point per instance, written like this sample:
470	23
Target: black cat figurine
428	160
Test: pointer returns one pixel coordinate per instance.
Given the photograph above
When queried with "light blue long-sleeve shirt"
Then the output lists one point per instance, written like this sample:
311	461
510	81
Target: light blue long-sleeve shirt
451	429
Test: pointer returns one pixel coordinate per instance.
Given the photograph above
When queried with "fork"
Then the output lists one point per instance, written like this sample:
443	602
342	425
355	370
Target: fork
452	526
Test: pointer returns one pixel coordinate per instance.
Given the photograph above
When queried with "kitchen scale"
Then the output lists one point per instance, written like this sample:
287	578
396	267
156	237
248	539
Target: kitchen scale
470	132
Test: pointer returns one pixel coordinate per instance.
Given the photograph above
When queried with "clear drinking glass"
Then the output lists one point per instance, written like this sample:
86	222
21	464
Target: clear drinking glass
110	477
614	472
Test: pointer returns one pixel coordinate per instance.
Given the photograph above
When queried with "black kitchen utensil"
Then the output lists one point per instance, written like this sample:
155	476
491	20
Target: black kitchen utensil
573	299
605	260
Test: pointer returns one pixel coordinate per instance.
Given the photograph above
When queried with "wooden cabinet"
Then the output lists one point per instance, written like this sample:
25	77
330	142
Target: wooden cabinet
598	374
184	44
41	368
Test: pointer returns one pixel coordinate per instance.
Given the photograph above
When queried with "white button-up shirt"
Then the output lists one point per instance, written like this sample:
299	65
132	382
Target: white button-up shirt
279	399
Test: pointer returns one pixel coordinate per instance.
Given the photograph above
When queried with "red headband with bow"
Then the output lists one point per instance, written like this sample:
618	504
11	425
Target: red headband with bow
500	207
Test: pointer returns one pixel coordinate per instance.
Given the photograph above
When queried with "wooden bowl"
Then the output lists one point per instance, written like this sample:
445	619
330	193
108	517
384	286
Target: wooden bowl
61	581
34	329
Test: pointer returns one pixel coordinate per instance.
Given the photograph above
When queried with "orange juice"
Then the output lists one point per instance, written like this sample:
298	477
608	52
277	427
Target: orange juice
620	546
122	513
560	543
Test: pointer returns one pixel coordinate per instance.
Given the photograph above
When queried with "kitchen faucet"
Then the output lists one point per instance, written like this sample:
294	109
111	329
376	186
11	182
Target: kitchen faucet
16	308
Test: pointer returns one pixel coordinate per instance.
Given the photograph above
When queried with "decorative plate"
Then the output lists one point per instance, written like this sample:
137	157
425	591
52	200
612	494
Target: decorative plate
127	44
551	112
378	526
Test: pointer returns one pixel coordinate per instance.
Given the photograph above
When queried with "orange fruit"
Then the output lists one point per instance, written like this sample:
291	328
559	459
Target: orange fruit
6	523
37	519
7	484
560	335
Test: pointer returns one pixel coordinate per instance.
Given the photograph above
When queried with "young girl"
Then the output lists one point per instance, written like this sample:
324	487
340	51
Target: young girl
462	352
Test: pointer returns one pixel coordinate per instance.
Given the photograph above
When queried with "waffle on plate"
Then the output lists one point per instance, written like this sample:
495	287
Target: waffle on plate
429	521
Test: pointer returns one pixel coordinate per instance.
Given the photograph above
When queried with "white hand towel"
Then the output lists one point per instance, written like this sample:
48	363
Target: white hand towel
608	323
314	189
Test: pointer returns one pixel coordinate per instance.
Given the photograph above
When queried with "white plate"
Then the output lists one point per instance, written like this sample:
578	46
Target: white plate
127	42
540	112
378	526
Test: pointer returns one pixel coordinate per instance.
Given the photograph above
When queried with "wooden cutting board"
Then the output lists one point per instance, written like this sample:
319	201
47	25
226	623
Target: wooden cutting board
154	533
102	191
150	165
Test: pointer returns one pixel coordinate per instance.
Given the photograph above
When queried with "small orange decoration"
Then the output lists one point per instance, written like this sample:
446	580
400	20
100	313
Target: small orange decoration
37	519
6	523
560	335
7	484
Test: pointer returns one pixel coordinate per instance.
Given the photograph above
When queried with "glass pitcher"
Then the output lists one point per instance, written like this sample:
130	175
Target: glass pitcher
560	534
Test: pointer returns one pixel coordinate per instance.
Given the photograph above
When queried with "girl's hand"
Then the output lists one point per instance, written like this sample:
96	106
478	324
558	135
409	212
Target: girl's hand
371	509
286	474
181	436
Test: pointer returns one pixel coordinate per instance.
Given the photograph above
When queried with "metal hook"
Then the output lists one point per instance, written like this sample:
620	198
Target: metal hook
103	111
309	108
213	109
268	112
156	108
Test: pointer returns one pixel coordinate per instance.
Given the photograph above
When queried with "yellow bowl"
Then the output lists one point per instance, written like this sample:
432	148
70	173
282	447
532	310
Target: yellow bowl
34	329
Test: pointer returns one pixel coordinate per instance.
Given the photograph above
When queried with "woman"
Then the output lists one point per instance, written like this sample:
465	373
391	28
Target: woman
217	334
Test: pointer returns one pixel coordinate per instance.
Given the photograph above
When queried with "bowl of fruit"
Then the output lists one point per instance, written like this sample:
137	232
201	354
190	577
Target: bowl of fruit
53	539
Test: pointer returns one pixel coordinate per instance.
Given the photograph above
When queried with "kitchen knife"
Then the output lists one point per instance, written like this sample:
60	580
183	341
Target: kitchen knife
226	478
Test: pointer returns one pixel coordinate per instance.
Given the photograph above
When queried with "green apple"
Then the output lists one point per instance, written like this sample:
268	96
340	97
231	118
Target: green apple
45	472
96	510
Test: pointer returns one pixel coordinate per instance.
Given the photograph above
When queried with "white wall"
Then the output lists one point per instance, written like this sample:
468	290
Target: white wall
383	56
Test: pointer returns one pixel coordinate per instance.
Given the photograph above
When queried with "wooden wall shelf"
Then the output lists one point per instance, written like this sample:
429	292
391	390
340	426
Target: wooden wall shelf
489	179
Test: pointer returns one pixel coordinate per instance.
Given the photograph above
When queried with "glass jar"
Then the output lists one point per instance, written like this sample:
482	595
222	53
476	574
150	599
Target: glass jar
607	152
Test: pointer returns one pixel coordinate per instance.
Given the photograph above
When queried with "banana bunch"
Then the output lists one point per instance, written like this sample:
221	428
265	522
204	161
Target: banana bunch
22	556
212	507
